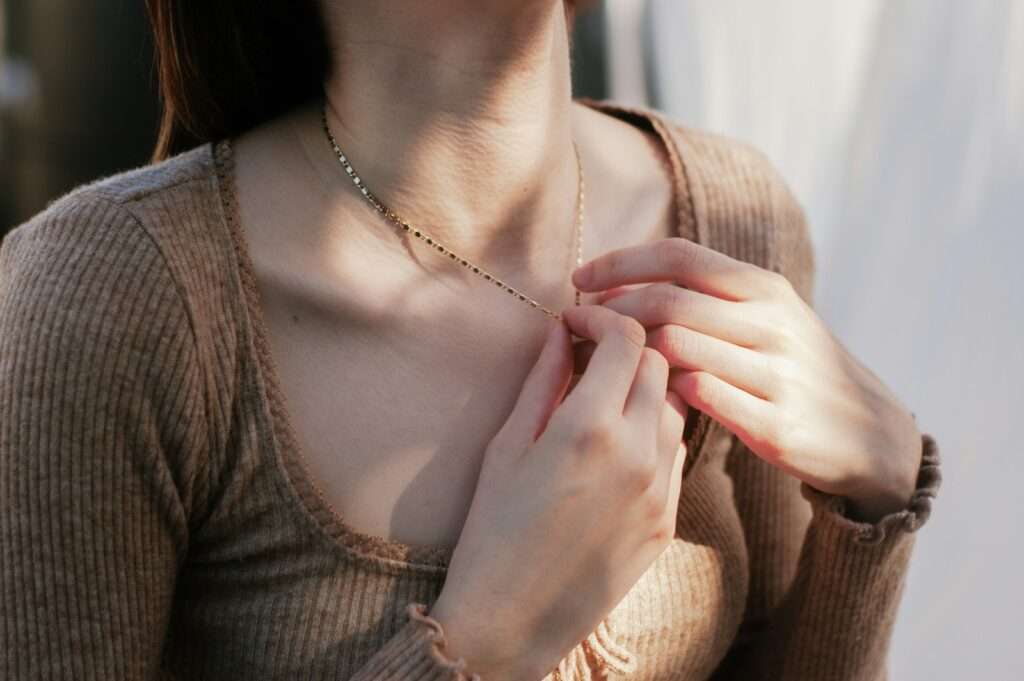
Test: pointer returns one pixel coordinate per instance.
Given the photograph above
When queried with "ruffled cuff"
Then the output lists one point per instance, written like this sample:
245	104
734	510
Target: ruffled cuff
833	508
417	652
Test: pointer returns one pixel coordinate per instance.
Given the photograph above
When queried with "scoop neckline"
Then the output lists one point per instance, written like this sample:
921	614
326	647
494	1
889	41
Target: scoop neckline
297	479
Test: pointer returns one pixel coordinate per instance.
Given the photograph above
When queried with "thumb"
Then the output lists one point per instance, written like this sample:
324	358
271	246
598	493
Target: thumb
542	390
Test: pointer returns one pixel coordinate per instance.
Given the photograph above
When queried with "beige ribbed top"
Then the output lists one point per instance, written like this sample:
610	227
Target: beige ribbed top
157	521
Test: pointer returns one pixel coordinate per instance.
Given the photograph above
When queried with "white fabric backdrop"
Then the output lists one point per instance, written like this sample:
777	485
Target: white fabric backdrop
900	126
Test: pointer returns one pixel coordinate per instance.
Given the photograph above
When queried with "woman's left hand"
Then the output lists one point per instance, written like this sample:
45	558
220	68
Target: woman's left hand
746	349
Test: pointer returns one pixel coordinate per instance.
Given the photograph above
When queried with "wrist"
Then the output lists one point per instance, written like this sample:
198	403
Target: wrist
892	491
475	643
871	509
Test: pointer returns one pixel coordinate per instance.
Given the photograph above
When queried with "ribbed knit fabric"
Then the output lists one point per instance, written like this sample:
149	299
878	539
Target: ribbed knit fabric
157	521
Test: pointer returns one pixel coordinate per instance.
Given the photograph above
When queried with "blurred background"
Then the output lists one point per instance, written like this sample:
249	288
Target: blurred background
899	124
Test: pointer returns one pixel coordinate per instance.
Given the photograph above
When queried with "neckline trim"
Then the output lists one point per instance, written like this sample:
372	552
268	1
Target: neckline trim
296	481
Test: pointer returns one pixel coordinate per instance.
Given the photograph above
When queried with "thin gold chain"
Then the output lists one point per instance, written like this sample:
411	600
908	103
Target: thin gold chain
434	243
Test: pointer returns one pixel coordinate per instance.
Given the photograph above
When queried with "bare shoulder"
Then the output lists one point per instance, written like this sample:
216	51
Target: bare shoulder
632	153
630	193
735	194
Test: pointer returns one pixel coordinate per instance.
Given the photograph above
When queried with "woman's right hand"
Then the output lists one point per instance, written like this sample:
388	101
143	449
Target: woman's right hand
575	500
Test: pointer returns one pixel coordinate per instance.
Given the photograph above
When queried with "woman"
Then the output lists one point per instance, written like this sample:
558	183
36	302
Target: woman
300	401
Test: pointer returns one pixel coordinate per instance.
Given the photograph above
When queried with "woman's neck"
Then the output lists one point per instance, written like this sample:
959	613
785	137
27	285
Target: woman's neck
458	115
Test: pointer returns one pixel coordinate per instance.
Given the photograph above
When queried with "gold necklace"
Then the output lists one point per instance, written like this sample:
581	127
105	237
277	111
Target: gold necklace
434	243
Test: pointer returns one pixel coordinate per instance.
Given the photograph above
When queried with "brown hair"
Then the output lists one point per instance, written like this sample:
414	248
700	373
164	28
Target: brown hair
229	65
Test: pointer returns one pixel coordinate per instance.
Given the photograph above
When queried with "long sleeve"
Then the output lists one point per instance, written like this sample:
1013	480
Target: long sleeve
101	414
103	463
826	610
416	652
824	587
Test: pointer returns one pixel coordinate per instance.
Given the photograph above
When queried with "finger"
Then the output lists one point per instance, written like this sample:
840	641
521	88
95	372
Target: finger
612	368
746	369
671	422
646	397
675	414
661	303
684	348
750	418
675	481
674	259
542	390
672	449
615	292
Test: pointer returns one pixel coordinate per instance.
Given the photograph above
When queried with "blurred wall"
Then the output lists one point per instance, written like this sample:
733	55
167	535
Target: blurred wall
77	98
900	126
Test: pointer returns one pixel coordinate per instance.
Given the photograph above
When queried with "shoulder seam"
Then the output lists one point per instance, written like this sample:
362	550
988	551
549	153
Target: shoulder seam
119	189
197	173
179	289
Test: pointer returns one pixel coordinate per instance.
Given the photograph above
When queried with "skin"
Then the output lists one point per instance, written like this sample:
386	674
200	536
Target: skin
458	114
755	356
368	324
588	486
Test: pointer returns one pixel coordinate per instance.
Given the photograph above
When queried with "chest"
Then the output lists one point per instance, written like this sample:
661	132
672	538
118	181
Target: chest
393	419
263	597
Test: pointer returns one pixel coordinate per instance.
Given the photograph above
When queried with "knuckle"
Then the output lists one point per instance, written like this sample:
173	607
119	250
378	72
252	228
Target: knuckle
665	301
653	508
784	434
700	388
679	254
663	533
639	475
786	372
770	438
770	443
596	438
785	339
759	330
769	328
777	283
